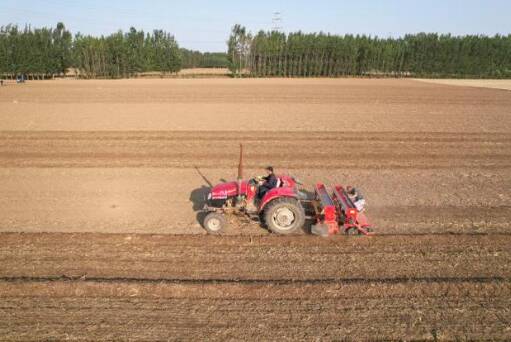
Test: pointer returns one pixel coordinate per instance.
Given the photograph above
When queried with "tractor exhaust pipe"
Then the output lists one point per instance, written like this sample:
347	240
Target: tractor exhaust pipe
240	172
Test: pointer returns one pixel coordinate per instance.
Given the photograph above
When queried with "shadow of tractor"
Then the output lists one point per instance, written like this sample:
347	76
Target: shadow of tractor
198	199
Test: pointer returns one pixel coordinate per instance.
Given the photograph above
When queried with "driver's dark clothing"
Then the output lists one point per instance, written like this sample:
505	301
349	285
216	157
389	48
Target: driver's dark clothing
270	183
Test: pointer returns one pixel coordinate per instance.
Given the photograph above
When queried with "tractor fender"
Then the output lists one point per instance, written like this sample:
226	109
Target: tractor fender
276	193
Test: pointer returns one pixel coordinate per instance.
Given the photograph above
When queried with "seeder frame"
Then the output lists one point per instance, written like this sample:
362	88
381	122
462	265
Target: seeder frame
336	213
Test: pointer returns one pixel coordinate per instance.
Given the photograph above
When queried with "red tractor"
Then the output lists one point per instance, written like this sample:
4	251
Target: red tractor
280	208
283	209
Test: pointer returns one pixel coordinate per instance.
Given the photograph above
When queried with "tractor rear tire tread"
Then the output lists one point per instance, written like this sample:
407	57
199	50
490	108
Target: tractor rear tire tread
293	205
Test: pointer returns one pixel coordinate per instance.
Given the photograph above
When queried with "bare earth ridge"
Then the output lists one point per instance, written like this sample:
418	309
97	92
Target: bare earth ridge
298	288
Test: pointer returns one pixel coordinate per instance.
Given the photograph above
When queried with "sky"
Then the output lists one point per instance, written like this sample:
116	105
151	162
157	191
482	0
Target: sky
205	25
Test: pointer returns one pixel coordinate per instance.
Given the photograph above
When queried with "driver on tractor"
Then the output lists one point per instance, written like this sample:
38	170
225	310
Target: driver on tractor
268	182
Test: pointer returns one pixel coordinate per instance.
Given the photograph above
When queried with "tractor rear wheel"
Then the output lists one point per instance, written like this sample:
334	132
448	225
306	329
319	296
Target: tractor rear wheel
284	216
214	223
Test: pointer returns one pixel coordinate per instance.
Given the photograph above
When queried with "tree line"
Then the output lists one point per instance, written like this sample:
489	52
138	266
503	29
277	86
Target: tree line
126	54
299	54
46	52
197	59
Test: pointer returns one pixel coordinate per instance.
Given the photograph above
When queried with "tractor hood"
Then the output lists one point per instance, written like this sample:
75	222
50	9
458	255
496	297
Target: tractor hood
229	189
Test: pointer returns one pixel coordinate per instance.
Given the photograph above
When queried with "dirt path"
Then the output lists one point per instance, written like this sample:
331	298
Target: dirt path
496	84
413	287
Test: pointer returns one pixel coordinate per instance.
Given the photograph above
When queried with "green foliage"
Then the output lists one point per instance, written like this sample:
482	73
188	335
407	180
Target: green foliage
197	59
40	51
125	54
49	52
421	55
238	49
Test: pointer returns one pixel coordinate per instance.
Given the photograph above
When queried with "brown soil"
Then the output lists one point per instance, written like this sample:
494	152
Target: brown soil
336	105
154	182
137	156
90	286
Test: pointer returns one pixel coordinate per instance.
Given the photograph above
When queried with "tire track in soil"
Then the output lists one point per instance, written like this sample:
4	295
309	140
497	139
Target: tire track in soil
329	281
369	150
227	259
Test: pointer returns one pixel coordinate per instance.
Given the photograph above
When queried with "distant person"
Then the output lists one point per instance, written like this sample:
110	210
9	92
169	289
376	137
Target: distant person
356	198
269	182
1	83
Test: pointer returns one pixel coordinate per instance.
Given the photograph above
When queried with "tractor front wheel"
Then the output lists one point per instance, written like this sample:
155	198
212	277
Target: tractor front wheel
214	223
284	216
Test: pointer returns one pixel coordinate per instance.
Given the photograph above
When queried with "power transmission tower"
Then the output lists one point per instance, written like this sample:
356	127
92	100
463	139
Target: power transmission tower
276	21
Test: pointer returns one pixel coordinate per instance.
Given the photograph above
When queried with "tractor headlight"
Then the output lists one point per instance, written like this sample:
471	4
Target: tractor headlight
209	196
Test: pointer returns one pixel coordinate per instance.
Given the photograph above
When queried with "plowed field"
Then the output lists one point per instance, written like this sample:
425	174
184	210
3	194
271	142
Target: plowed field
80	160
99	286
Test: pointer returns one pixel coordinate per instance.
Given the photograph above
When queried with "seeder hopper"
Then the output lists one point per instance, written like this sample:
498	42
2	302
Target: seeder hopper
337	213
